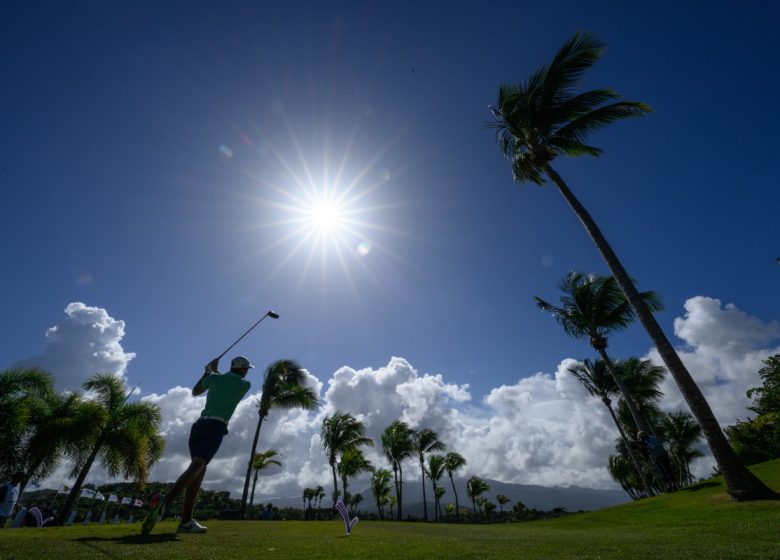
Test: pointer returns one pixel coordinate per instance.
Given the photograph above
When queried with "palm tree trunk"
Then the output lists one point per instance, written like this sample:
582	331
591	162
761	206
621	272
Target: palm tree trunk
628	449
252	497
400	490
435	500
741	484
344	488
261	415
335	483
425	505
76	490
457	506
395	481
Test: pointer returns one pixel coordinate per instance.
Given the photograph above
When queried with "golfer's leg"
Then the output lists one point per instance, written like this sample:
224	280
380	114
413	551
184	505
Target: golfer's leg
193	471
191	496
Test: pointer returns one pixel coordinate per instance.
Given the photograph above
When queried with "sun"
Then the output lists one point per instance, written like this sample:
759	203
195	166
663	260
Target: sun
325	216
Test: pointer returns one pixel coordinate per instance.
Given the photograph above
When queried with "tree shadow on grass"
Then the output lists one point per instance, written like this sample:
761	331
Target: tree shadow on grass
131	539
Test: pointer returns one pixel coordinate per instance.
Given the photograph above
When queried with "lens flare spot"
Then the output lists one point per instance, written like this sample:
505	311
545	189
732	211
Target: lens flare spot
225	151
364	248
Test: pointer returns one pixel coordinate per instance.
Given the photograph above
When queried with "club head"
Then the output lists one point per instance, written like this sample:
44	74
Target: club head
273	314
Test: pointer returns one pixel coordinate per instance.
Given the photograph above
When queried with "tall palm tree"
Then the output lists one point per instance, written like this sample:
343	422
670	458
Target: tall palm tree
398	446
543	118
601	384
425	441
452	463
592	306
125	435
475	487
308	495
438	494
380	488
436	469
352	463
285	387
340	432
262	461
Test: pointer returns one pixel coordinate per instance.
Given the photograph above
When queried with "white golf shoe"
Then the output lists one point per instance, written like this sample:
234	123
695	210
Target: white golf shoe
192	526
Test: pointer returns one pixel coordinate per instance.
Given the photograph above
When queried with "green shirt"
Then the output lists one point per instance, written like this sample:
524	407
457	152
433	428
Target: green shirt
225	390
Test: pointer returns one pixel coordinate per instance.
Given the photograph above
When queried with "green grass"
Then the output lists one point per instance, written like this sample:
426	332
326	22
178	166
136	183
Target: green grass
699	522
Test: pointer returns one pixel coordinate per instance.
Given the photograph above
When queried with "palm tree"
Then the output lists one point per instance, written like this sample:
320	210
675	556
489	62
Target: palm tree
425	441
380	488
502	501
308	494
543	118
681	432
22	391
352	463
475	487
398	446
436	469
340	432
392	501
592	307
601	384
285	387
262	461
55	428
125	435
453	462
355	502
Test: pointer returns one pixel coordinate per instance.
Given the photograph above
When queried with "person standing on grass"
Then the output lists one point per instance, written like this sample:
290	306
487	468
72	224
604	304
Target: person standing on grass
225	391
9	493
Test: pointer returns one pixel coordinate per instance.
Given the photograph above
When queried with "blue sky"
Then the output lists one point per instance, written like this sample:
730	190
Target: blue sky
146	149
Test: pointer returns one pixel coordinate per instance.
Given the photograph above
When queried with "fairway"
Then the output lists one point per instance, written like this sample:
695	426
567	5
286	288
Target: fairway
699	522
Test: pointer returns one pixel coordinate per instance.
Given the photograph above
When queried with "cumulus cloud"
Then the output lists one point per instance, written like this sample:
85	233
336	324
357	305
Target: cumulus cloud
86	342
542	429
724	350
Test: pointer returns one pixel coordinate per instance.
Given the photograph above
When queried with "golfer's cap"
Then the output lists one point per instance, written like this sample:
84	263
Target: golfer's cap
240	362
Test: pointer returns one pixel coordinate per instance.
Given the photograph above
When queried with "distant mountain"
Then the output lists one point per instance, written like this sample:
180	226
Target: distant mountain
573	498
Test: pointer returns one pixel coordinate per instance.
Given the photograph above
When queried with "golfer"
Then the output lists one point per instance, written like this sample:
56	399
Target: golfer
225	391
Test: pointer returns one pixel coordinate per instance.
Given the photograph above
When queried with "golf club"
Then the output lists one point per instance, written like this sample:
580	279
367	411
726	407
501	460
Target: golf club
271	314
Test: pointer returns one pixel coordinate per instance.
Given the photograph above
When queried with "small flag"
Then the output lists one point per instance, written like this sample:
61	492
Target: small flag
125	501
112	498
345	516
64	489
87	493
100	496
137	503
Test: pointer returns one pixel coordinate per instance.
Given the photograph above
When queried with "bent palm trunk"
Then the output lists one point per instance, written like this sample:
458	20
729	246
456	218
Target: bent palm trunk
249	466
741	484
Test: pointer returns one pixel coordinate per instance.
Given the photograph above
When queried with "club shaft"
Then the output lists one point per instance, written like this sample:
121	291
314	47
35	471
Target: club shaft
242	336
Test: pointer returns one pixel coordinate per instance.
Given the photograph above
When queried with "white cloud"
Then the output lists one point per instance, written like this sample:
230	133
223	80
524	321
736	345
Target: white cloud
86	342
543	429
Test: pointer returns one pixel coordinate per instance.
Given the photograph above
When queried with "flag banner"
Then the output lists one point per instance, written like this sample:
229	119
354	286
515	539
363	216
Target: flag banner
102	517
125	501
112	498
64	489
88	518
345	516
87	493
131	519
115	520
137	503
71	518
100	496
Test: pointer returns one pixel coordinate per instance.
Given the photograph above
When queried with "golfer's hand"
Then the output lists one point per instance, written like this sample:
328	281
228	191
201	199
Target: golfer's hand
212	366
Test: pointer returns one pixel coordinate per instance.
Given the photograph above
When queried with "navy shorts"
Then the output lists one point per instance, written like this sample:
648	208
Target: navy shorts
205	438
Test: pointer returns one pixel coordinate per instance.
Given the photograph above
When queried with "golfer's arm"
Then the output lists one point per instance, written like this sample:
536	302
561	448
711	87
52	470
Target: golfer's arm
199	389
